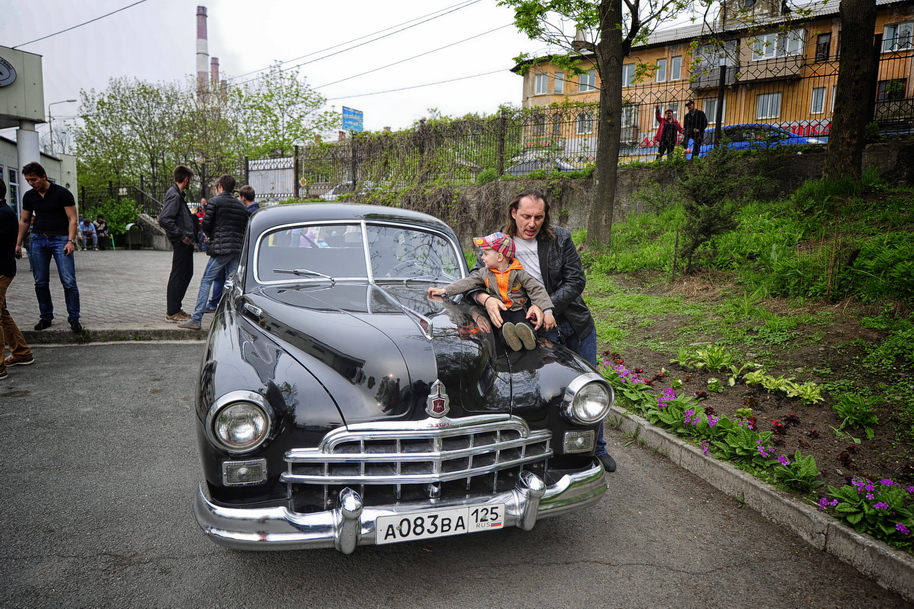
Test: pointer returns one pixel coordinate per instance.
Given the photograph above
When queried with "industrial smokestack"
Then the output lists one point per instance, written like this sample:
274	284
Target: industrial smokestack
214	70
202	46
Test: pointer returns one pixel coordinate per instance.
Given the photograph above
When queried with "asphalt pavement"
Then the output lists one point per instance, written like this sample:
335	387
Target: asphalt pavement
122	297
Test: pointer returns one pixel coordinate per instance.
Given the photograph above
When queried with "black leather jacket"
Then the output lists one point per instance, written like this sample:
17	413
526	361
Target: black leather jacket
224	223
176	218
563	276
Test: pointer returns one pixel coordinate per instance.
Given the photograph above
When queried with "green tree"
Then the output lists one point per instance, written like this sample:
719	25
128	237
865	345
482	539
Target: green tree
607	29
278	111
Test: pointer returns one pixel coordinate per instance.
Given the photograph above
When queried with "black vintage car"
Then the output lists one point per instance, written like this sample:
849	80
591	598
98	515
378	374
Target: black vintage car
339	406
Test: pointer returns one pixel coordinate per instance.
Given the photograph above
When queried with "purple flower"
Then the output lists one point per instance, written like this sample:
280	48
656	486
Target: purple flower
712	420
783	460
881	505
824	503
886	482
869	496
688	416
910	489
902	529
704	447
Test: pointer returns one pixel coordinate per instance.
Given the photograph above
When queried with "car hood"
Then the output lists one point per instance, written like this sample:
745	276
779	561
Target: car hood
379	350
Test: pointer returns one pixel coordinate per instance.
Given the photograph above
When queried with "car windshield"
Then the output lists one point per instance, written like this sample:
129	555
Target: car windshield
332	252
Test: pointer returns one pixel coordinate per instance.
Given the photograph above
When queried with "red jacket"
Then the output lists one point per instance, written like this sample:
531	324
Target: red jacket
662	121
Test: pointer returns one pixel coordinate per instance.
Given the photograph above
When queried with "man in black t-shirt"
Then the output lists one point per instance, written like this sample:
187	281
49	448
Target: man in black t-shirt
20	354
53	236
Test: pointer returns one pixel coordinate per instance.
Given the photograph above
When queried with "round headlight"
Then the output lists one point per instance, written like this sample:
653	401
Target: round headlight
587	399
240	425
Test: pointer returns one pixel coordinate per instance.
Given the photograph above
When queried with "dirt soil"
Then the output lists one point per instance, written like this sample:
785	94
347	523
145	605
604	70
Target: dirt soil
809	428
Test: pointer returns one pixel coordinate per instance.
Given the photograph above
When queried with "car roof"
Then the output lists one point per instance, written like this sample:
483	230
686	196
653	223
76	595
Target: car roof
293	213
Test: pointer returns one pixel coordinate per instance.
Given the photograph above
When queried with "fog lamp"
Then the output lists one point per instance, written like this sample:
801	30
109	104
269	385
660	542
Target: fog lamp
578	441
242	473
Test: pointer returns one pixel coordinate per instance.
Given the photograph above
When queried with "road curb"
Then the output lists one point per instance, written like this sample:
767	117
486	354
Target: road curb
890	568
64	336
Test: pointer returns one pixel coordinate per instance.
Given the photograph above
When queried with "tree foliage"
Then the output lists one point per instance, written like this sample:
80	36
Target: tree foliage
136	128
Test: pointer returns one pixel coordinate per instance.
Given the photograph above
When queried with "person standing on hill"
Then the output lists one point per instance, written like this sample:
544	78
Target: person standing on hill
667	132
693	127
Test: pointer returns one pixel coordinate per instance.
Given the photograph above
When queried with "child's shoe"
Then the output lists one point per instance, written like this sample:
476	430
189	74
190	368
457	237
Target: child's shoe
509	333
526	336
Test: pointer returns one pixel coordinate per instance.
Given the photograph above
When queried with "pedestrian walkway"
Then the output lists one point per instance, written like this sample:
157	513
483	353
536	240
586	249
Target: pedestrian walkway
122	296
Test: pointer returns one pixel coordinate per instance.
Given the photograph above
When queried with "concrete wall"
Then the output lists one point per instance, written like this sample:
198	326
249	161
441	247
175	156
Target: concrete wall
479	210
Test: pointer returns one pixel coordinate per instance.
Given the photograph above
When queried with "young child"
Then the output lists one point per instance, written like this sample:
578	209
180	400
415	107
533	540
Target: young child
504	278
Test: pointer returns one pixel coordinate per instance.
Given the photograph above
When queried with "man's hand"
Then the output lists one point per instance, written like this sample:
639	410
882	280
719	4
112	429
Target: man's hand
549	320
186	240
535	314
436	292
68	248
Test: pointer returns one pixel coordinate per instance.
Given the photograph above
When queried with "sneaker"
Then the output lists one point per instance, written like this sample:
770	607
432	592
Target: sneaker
18	361
209	310
3	374
42	324
179	316
509	333
189	324
526	336
75	326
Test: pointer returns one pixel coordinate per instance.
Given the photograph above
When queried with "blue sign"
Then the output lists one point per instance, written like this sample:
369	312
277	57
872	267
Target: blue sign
352	119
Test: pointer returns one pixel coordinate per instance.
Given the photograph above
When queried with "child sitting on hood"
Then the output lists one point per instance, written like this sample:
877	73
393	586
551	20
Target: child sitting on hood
505	278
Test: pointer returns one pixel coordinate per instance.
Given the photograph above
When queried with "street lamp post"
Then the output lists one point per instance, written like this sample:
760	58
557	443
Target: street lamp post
51	121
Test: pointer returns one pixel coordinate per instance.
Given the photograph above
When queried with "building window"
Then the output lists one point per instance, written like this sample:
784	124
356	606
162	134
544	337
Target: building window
558	84
676	68
587	82
778	44
823	47
539	125
557	124
661	70
889	90
897	37
818	101
768	105
584	124
710	108
628	74
630	124
540	84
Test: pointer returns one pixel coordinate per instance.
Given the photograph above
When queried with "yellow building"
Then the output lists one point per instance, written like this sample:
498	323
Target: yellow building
782	70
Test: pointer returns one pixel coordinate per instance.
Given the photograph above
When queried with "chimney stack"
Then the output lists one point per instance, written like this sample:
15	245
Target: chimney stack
202	46
214	70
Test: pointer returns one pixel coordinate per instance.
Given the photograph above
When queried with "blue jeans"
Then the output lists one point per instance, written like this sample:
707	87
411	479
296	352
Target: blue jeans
218	286
587	349
214	268
41	250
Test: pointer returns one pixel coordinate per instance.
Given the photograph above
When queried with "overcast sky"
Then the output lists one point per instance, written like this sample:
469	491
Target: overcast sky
155	40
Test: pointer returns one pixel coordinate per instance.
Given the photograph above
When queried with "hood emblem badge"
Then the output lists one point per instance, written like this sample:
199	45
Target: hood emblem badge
437	405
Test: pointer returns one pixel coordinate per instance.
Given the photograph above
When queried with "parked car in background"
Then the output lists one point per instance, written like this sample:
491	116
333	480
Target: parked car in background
338	405
757	135
346	188
543	164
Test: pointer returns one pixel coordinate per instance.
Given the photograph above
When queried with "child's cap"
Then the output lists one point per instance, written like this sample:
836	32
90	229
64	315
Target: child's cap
499	242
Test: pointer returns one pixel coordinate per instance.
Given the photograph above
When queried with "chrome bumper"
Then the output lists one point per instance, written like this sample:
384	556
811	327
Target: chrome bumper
351	524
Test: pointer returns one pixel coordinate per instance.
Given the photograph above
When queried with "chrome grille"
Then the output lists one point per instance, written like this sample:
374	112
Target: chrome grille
417	459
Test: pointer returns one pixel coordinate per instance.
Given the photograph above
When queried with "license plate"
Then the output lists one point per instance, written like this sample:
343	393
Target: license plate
439	523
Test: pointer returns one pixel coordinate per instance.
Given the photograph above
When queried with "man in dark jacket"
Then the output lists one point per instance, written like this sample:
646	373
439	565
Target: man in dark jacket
548	253
224	223
180	228
693	127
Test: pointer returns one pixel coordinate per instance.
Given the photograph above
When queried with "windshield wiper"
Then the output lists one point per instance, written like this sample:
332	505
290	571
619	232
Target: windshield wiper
304	273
